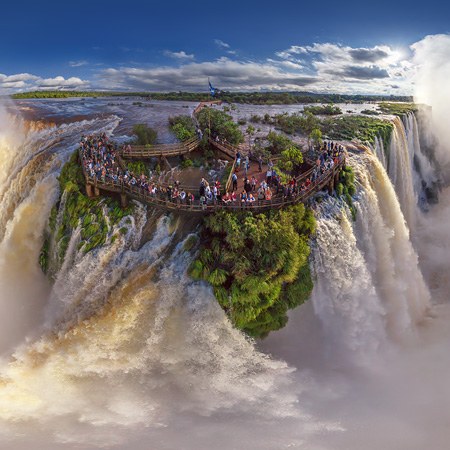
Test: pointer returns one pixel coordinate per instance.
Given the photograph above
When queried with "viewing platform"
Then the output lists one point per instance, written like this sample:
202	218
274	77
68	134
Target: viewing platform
186	199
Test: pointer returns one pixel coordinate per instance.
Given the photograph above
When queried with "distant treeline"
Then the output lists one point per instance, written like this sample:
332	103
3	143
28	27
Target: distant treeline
255	98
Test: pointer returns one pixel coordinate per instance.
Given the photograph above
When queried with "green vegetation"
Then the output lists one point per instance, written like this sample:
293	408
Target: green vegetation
257	265
290	159
79	210
221	124
397	109
316	136
346	188
256	98
183	127
145	134
370	112
302	123
325	110
186	163
278	143
137	167
357	127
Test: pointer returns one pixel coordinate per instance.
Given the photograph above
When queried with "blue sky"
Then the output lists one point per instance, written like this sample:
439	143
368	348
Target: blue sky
352	47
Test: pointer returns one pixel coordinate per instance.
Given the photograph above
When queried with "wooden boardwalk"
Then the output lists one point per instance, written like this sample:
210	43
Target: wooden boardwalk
95	186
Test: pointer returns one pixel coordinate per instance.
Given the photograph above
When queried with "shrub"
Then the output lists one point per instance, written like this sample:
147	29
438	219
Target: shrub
145	134
258	265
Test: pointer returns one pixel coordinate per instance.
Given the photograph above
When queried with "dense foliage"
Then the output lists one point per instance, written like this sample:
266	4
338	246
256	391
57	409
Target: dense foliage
256	98
79	210
145	134
362	128
221	124
323	110
182	126
257	264
278	143
137	167
296	123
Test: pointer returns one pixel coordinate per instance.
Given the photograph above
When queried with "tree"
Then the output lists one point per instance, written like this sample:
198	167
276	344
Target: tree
290	158
316	136
221	124
278	142
145	134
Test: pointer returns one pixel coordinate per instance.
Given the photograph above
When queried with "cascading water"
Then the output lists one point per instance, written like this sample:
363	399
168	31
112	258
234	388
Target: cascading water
124	345
369	285
123	337
400	169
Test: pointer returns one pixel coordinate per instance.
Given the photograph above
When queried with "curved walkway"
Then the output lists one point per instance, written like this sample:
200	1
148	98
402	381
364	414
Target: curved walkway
160	200
328	178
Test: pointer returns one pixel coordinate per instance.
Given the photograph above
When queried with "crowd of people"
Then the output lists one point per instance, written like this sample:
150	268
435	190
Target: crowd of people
101	162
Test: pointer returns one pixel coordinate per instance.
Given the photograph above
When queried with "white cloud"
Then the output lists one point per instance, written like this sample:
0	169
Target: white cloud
29	82
221	44
227	75
77	63
61	83
347	69
181	55
17	77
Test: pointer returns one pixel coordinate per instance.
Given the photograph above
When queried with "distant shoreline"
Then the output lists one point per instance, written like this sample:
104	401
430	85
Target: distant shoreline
255	98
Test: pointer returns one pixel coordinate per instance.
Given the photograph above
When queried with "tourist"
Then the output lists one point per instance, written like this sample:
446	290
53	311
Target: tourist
269	176
234	179
261	195
243	198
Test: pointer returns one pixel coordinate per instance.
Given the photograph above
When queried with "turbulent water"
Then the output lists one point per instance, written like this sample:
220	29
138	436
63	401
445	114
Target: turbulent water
124	350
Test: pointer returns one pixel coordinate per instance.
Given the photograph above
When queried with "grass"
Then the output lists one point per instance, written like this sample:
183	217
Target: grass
397	109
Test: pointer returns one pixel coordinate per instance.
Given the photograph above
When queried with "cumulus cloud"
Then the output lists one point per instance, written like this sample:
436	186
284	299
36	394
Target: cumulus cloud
364	73
60	83
28	82
351	70
227	75
368	54
181	55
17	77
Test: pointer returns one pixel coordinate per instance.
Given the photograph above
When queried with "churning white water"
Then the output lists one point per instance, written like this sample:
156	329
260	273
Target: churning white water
123	350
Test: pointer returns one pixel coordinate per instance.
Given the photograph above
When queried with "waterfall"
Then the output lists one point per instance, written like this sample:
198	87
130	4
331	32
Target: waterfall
369	286
425	173
379	150
124	341
401	172
123	337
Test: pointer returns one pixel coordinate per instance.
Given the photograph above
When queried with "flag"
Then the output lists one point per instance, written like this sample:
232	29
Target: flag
212	89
